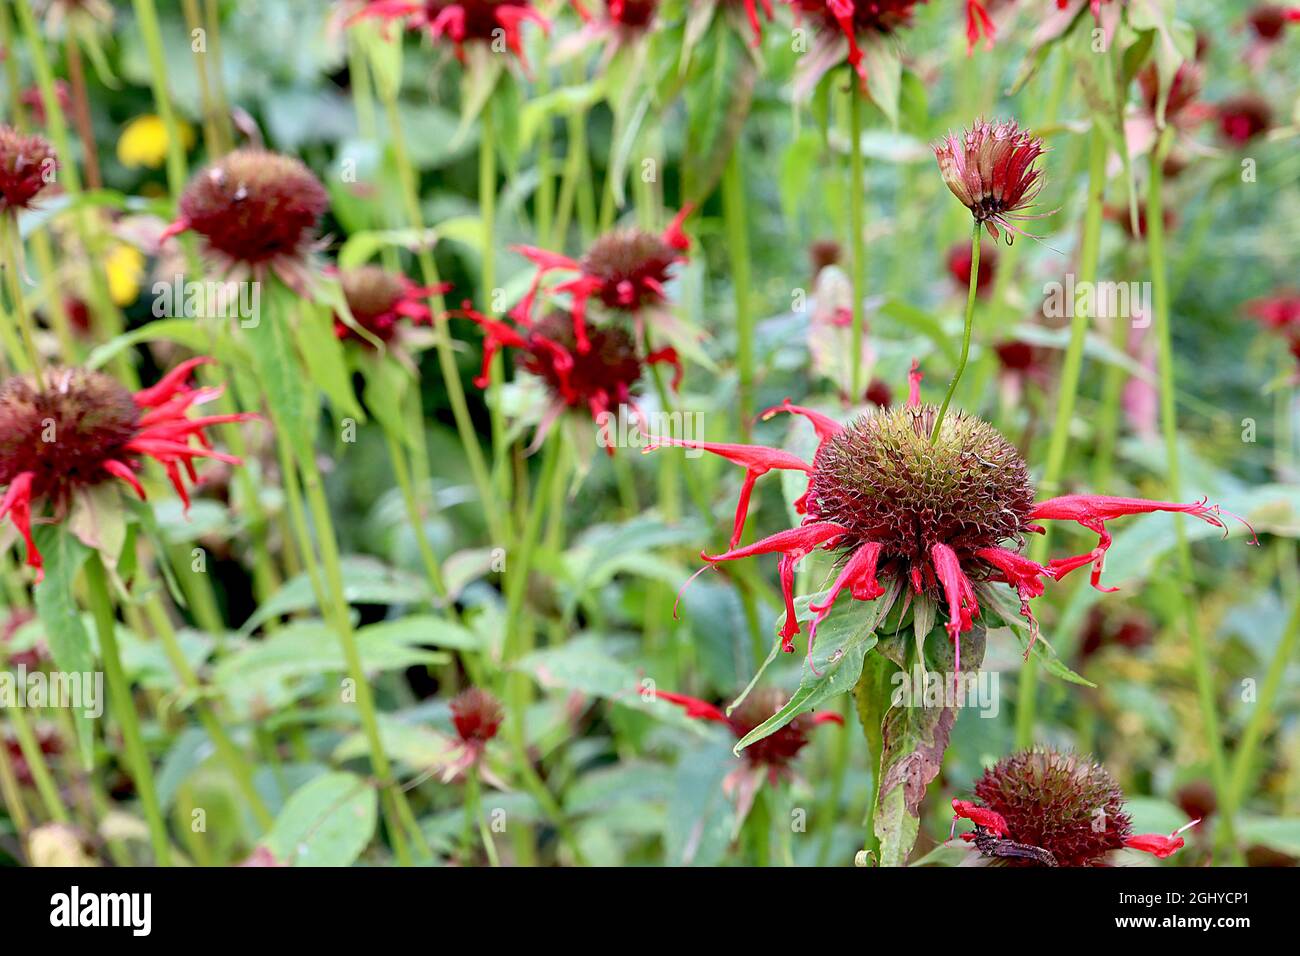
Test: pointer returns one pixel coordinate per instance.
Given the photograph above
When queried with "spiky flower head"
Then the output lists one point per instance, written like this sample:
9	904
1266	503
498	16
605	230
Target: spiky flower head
882	480
1242	118
932	516
625	270
1184	88
27	166
255	209
476	715
76	428
595	373
1045	808
990	168
381	301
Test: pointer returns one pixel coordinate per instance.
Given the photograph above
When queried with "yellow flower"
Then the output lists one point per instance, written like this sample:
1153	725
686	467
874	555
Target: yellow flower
144	141
125	268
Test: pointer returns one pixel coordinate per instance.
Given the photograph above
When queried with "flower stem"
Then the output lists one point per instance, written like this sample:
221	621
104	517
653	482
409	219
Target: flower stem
81	111
487	202
966	330
101	606
1169	425
10	263
733	211
446	358
229	753
1071	369
146	15
46	788
857	225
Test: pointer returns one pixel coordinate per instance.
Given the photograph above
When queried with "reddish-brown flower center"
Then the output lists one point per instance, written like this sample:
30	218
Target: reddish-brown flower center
776	750
882	480
65	431
27	164
631	265
610	368
254	206
477	715
1062	803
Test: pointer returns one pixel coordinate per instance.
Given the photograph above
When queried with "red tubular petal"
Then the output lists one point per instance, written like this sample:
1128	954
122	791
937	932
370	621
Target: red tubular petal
801	541
1022	574
673	235
791	627
914	385
175	229
981	817
859	575
1157	844
694	707
827	717
17	504
169	384
963	607
758	460
668	356
121	470
825	426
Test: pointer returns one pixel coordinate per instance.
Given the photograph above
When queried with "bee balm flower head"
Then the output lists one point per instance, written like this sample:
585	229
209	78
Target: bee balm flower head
990	168
381	301
597	380
1044	808
77	428
27	166
462	21
850	21
945	518
255	210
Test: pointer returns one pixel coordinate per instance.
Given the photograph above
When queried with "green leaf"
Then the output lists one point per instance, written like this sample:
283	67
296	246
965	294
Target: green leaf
884	72
999	604
57	608
186	332
322	353
327	822
310	647
913	741
843	639
365	581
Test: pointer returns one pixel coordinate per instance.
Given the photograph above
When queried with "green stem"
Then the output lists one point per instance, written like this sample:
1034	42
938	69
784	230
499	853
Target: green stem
733	211
1071	369
146	15
46	788
227	750
12	257
487	201
966	330
446	357
857	225
101	605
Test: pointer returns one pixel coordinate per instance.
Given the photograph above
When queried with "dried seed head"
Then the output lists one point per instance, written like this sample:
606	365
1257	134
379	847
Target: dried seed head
776	750
1062	803
27	165
64	431
884	481
631	266
989	168
477	715
255	206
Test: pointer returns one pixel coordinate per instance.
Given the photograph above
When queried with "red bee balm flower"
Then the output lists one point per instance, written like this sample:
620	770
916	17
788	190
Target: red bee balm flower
1243	118
625	270
1268	20
1279	312
477	717
959	263
380	301
27	165
1043	808
934	517
80	428
989	169
464	21
255	209
751	8
598	379
852	18
777	750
